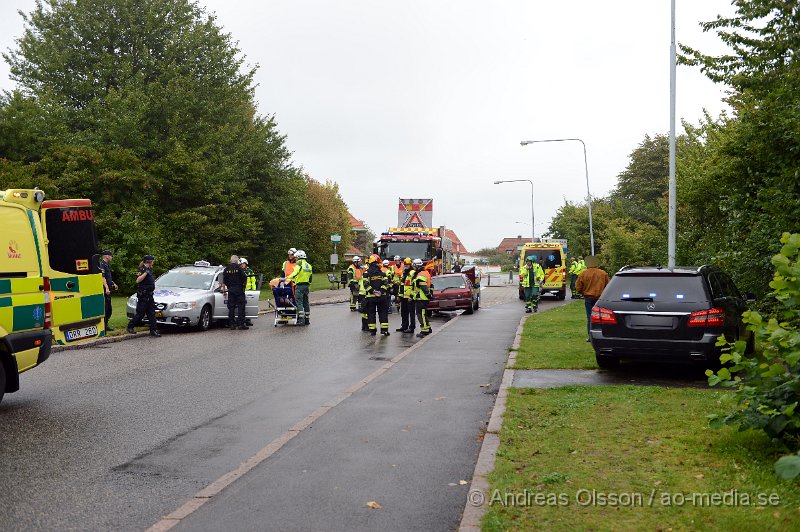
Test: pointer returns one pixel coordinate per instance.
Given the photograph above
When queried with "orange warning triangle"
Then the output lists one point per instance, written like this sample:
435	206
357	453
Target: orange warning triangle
415	221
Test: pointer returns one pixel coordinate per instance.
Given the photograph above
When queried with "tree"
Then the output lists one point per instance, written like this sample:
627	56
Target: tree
327	215
147	107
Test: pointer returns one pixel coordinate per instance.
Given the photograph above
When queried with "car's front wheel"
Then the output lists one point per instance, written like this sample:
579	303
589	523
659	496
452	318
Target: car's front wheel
607	361
205	319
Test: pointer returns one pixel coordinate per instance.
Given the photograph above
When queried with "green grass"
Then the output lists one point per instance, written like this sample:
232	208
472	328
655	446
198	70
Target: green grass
651	442
556	339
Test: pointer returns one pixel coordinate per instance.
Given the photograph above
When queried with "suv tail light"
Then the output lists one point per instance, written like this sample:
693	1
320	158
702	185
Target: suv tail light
603	316
714	317
48	309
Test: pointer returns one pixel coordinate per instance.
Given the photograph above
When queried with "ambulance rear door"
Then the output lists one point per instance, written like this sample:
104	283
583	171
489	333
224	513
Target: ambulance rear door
76	286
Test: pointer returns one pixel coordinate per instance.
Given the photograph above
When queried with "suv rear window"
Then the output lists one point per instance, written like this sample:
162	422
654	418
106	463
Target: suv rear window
657	288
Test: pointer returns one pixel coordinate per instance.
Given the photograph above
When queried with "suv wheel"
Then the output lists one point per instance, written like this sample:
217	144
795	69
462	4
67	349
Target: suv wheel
607	361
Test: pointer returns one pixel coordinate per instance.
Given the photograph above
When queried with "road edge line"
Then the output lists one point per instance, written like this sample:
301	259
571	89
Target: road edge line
479	486
217	486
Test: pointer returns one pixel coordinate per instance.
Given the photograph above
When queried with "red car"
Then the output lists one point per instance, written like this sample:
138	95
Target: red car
454	291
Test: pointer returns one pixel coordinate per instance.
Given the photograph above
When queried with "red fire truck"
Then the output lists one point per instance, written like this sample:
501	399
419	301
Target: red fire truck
430	245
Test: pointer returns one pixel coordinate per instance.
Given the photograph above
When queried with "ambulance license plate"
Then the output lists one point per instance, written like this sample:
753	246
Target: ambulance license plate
83	332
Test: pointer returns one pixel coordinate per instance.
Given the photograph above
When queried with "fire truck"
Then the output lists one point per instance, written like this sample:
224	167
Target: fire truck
429	245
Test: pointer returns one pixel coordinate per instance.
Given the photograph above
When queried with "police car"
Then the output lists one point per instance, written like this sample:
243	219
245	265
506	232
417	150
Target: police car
189	295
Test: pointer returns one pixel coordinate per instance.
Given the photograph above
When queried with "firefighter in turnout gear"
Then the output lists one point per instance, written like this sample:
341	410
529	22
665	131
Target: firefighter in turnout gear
388	271
353	281
397	273
377	287
362	298
422	294
301	276
532	279
405	294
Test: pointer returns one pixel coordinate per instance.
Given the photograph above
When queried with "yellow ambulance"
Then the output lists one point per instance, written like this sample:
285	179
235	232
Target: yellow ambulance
552	253
50	288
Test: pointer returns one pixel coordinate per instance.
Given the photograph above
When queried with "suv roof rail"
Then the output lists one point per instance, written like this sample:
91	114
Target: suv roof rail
626	267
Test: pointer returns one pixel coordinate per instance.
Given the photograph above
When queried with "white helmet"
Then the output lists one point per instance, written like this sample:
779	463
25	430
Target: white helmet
385	262
300	254
292	251
242	260
416	262
356	259
397	257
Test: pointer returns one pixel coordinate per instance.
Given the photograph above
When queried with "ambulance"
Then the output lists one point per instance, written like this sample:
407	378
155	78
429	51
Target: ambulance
50	287
555	268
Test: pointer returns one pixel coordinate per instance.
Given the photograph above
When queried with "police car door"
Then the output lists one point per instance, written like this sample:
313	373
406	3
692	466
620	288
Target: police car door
251	308
220	300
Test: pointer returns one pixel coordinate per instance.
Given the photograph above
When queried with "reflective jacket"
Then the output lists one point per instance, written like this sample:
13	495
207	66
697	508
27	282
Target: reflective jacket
535	274
302	272
375	280
288	267
353	274
251	279
422	285
408	283
398	273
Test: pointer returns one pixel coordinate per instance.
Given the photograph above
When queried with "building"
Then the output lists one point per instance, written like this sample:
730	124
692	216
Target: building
360	238
458	247
512	246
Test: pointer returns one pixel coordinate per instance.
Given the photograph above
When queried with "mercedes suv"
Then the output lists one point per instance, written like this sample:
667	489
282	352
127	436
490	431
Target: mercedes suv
662	315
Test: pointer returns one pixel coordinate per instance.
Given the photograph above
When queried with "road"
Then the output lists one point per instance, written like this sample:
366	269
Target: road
118	435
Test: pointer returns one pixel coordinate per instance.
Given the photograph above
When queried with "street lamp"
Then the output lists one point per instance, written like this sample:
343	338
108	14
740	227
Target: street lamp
586	166
533	230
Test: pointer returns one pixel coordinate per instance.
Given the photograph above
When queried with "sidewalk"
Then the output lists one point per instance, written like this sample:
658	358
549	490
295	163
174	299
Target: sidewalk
407	441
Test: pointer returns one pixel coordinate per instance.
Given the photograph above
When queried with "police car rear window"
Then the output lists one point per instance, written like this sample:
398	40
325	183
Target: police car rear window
656	288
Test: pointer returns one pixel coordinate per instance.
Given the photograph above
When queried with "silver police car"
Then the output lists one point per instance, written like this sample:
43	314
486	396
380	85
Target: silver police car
189	295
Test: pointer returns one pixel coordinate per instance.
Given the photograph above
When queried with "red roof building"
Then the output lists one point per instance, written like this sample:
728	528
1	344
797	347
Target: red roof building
458	247
512	246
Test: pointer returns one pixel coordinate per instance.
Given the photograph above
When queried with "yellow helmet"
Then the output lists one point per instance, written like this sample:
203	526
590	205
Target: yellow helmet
373	258
407	260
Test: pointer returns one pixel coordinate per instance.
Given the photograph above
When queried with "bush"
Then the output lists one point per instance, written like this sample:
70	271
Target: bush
766	385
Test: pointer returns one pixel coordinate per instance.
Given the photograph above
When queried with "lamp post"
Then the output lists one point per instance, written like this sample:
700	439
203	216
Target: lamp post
586	166
533	230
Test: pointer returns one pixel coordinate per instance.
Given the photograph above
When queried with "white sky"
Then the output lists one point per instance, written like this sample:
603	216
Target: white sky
427	98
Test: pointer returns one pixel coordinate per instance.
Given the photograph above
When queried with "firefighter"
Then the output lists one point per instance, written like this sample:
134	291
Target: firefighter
422	294
233	282
362	297
301	277
377	286
388	271
289	264
353	281
145	304
397	273
406	296
532	278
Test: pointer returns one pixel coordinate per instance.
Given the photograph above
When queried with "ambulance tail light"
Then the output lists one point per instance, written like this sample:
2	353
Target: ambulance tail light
48	308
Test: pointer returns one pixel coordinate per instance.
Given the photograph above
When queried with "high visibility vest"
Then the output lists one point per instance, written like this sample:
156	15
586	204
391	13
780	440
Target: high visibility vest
422	278
408	285
398	273
536	273
302	272
353	274
288	267
251	280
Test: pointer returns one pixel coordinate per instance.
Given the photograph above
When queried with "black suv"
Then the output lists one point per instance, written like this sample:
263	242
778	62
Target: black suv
663	315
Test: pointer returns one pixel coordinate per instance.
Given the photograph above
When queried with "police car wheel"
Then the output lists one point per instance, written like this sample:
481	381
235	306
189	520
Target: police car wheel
205	319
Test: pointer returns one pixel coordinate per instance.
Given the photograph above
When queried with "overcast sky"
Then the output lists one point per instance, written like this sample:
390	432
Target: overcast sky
426	98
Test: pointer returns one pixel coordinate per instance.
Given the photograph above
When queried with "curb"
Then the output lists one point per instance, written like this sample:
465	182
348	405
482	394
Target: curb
477	505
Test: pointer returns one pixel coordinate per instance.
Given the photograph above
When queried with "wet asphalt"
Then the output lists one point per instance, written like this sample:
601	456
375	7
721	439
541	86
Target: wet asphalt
118	435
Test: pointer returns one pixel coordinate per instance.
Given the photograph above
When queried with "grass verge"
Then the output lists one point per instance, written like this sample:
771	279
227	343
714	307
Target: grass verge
556	339
637	458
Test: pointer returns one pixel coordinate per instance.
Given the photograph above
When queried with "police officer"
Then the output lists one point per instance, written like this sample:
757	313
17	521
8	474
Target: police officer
234	280
377	286
108	282
252	284
406	295
353	281
422	294
301	276
145	304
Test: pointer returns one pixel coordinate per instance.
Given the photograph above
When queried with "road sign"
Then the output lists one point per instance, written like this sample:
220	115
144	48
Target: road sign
334	258
336	238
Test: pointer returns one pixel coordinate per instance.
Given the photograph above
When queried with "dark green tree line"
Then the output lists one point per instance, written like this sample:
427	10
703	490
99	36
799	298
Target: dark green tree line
147	107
